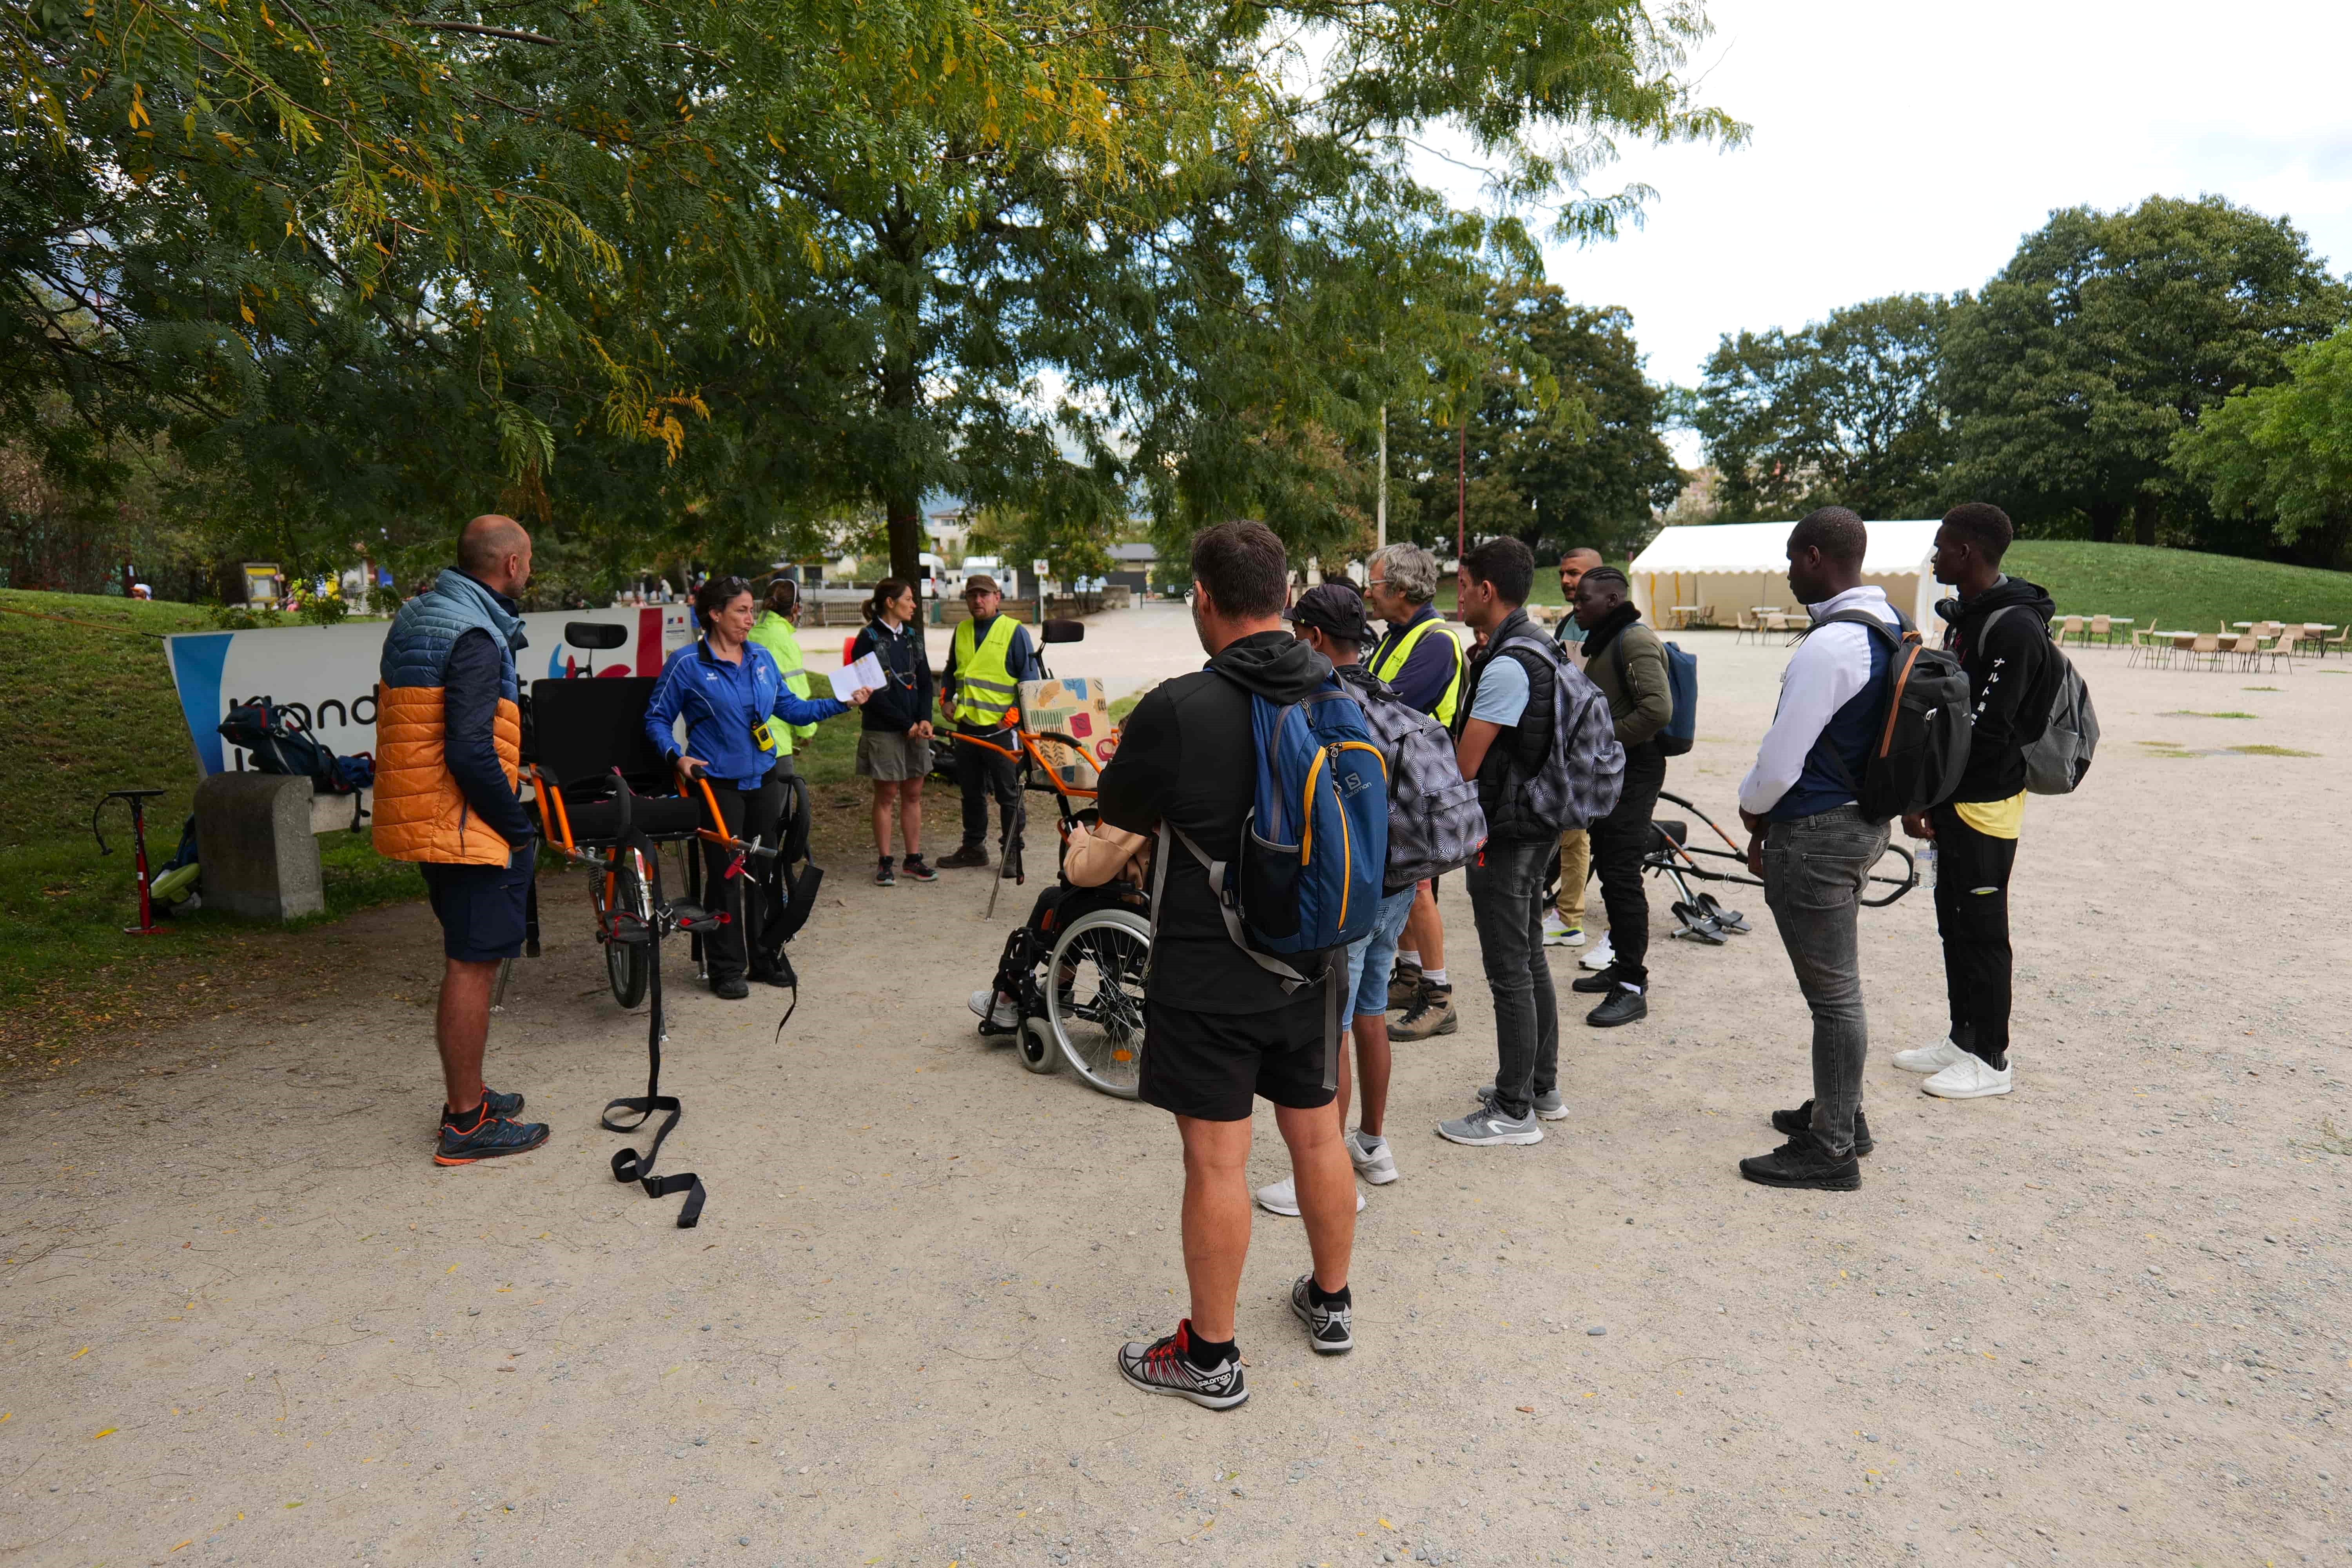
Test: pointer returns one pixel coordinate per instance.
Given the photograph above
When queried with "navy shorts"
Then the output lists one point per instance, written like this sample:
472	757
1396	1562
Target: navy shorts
481	909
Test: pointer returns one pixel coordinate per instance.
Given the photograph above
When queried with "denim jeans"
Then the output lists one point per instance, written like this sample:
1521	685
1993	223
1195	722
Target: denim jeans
1814	870
1371	958
1506	901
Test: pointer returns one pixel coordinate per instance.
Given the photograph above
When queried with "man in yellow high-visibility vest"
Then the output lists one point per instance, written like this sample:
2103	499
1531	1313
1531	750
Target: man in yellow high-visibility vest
1425	664
988	659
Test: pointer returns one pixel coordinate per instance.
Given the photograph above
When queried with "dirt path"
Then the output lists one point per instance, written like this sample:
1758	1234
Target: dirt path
2102	1321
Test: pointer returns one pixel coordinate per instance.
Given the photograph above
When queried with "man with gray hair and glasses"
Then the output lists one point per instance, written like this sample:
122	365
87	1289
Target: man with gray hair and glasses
1422	662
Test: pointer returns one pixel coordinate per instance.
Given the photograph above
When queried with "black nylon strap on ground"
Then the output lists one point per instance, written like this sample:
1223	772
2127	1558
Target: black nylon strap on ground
629	1164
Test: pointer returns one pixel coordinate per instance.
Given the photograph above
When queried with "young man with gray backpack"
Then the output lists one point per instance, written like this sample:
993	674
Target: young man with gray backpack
1258	787
1536	737
1872	724
1435	826
2024	700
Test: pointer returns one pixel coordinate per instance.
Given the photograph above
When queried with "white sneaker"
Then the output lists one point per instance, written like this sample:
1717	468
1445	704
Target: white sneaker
1373	1162
1282	1197
1557	932
1970	1077
1599	958
1931	1058
999	1011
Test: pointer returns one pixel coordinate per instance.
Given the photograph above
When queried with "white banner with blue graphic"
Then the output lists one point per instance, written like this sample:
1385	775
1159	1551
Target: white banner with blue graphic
327	675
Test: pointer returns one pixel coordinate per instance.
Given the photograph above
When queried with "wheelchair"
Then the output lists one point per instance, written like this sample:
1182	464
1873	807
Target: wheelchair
1699	915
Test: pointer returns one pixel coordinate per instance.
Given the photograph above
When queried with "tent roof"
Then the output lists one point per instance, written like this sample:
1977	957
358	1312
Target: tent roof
1896	547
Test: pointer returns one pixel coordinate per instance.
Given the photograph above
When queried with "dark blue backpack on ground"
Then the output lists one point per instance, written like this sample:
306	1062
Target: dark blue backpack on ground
281	742
1682	683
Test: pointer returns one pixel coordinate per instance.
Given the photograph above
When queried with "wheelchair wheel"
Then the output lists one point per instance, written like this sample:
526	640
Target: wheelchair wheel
1094	998
628	964
1035	1040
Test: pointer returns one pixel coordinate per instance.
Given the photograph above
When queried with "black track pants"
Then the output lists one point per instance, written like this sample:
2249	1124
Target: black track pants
1972	872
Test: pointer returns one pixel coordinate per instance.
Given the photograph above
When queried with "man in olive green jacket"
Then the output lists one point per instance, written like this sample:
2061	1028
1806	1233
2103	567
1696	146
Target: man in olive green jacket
1627	661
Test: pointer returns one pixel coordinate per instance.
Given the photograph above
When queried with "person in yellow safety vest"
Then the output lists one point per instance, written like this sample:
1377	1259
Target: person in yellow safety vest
1425	664
777	630
988	659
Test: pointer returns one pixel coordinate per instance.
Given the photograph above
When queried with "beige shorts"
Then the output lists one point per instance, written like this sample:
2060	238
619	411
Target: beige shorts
881	755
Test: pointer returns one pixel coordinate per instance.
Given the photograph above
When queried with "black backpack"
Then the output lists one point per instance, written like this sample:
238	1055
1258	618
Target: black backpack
1923	731
282	744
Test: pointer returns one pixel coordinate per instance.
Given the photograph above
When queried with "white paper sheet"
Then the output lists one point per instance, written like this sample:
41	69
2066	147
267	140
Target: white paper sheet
865	672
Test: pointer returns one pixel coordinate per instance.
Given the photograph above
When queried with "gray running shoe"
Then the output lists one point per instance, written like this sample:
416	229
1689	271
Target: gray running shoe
1165	1366
1551	1106
1330	1330
1487	1124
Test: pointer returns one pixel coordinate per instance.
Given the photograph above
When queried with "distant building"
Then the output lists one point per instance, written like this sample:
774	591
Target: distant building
1132	567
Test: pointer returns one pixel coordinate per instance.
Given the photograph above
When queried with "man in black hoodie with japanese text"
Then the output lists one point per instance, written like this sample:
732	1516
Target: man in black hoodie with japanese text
2000	629
1224	1033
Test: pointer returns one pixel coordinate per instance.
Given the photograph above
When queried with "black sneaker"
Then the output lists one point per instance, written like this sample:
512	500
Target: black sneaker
1165	1366
1330	1329
1801	1120
1624	1006
490	1136
776	970
883	876
730	987
970	856
1599	983
915	868
500	1105
1802	1163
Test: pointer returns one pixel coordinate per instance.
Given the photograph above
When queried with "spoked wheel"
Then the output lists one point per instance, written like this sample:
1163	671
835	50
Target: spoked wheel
1094	998
1035	1040
624	913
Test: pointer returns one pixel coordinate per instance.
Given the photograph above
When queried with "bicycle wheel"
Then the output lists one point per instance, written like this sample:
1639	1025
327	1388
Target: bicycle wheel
625	902
1094	998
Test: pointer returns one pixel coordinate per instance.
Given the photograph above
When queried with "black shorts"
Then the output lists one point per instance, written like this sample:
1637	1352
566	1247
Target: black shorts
481	908
1209	1064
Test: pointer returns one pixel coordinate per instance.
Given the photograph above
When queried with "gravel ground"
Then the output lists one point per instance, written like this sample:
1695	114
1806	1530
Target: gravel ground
2101	1321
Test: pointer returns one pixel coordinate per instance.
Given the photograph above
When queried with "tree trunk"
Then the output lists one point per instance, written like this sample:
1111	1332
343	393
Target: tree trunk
2104	517
2146	508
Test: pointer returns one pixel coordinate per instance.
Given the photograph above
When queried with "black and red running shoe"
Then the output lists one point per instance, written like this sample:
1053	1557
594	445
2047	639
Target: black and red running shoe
1166	1367
489	1136
507	1105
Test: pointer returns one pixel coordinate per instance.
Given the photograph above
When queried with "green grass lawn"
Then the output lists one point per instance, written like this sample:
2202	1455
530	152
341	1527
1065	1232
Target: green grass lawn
2178	590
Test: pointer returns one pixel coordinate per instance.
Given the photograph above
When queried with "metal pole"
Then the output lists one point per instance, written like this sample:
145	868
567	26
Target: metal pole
1461	489
1381	508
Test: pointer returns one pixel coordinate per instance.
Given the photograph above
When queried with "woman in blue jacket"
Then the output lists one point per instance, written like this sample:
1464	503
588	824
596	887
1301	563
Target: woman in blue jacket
726	688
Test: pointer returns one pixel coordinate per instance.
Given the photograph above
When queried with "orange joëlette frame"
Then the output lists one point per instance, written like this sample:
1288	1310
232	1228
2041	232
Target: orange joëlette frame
1029	739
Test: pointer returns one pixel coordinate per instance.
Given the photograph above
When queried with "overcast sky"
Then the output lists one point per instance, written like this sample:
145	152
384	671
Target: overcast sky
1901	146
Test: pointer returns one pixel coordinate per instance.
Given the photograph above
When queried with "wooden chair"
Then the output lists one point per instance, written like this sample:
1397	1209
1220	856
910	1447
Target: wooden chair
1747	626
2071	627
2103	629
2245	648
2208	646
2342	639
1706	616
2284	648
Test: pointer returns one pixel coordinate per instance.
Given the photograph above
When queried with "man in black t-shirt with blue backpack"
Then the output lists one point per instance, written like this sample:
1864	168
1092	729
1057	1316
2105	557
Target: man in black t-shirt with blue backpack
1221	1027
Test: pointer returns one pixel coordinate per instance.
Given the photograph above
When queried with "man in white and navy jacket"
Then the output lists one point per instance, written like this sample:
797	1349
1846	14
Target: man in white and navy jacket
1813	846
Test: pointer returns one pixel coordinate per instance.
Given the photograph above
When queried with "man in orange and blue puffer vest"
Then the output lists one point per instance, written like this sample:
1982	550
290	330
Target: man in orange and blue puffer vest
448	753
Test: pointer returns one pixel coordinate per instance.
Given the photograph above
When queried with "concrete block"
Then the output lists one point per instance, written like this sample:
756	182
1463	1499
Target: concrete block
259	855
342	813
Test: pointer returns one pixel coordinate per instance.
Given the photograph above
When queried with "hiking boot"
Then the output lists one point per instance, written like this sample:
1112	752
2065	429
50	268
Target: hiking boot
883	877
506	1105
1330	1327
1549	1106
1489	1124
730	987
1432	1014
918	869
1800	1120
994	1008
1599	985
967	857
1625	1005
490	1136
1372	1158
1557	932
1801	1162
1165	1366
1404	985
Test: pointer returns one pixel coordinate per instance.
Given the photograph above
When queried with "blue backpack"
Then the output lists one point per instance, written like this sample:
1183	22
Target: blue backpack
1682	681
1308	875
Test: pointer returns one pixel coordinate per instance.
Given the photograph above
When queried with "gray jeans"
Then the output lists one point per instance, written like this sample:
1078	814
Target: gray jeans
1814	870
1506	901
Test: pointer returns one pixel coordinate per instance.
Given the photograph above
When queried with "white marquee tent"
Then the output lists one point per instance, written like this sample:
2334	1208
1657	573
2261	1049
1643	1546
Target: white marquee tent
1736	566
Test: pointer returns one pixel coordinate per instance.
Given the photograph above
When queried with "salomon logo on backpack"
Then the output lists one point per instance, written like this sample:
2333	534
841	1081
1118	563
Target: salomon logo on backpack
1922	745
2056	760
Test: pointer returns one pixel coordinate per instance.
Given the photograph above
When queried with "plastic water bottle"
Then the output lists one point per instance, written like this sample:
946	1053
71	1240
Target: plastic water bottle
1926	858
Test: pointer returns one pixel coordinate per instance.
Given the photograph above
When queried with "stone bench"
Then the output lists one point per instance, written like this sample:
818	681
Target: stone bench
258	838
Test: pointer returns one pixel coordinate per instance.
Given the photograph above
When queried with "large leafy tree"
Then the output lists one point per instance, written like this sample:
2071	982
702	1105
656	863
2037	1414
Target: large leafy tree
1846	411
2283	453
2107	336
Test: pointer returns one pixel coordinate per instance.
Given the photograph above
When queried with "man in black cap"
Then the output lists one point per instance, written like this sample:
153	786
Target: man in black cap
1329	618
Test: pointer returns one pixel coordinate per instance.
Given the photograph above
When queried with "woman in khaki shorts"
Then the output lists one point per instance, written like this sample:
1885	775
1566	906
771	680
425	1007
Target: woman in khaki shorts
893	743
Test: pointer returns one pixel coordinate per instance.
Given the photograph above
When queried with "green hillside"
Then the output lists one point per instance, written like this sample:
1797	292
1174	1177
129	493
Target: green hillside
2178	590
